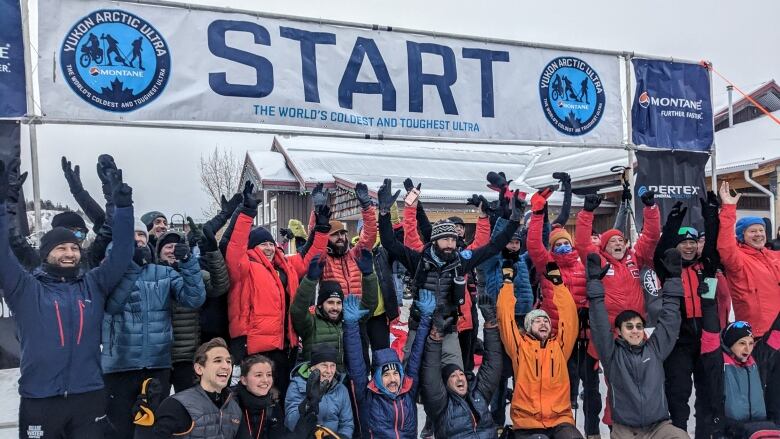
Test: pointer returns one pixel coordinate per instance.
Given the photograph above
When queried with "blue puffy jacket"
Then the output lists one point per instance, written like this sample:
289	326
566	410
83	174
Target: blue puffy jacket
335	409
58	320
137	331
388	417
494	277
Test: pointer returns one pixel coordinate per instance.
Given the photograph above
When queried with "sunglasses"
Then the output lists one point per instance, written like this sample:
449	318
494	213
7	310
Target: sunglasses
631	326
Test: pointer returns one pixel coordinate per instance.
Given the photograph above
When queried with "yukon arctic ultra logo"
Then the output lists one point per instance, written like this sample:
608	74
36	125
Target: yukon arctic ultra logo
572	95
115	60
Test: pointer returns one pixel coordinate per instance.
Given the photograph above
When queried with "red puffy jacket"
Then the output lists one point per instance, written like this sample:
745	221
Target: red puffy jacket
344	269
257	301
753	276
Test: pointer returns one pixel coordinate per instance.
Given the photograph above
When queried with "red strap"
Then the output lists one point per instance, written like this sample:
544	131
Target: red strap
707	65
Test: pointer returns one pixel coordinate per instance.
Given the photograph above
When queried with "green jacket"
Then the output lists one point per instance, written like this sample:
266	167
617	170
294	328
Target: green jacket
314	327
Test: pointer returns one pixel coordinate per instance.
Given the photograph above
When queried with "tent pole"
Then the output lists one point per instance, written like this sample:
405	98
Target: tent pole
36	183
629	145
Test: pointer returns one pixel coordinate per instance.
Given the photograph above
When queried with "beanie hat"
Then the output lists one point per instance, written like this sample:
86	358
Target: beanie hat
443	229
746	222
336	226
167	238
627	315
449	369
139	226
531	316
323	353
55	237
734	331
686	234
559	233
390	366
456	220
605	237
329	289
149	217
259	236
69	220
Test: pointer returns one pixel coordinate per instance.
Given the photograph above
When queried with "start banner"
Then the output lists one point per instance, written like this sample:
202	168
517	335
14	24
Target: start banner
13	97
128	61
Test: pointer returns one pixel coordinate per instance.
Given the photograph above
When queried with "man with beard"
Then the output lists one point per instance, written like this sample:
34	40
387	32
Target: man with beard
323	323
156	225
440	268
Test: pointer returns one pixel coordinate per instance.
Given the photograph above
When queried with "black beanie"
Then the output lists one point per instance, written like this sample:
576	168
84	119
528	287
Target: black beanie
322	353
167	238
259	236
734	331
69	220
329	289
448	369
55	237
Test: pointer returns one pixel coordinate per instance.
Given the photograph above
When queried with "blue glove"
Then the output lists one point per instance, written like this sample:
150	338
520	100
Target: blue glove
352	309
365	262
315	268
426	303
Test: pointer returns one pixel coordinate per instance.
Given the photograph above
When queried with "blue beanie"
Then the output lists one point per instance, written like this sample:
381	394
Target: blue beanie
259	236
746	222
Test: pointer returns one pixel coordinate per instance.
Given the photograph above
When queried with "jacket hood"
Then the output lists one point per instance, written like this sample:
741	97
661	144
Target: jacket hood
384	357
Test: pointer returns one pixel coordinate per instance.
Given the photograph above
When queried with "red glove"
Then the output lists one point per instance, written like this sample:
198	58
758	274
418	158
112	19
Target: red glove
539	199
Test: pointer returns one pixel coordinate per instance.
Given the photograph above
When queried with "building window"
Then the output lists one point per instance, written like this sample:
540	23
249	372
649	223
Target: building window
266	216
273	232
260	216
273	210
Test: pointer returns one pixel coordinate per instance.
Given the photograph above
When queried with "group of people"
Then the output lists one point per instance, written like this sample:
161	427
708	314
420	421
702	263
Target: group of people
225	332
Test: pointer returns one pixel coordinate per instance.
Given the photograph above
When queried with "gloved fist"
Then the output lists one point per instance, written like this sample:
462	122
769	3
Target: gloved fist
229	206
386	199
209	242
539	200
518	207
286	234
249	199
122	195
553	273
196	231
316	266
14	184
709	206
104	163
677	213
5	172
595	270
319	197
648	198
498	181
361	192
352	311
322	216
311	403
73	176
592	201
487	305
442	324
409	185
426	303
181	251
672	262
365	262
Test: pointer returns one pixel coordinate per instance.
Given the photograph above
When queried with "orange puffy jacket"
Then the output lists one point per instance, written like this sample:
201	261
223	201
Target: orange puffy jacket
344	269
753	276
257	301
541	397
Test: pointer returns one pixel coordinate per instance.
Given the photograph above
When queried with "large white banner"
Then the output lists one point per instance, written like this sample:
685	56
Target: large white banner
114	60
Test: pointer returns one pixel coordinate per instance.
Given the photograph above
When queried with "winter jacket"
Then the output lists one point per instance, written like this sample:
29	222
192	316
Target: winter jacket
429	274
344	269
735	393
208	420
753	276
458	417
388	298
259	300
636	373
213	312
492	273
388	418
137	329
541	396
335	411
622	283
262	416
314	327
59	320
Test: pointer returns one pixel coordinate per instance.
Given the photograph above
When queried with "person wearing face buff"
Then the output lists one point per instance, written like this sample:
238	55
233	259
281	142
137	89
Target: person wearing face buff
633	363
137	333
58	312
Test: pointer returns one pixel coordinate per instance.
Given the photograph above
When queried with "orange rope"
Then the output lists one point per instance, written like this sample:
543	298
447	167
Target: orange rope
708	65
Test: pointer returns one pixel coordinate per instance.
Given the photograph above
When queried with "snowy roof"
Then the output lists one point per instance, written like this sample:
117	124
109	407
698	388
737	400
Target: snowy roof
748	143
270	166
767	94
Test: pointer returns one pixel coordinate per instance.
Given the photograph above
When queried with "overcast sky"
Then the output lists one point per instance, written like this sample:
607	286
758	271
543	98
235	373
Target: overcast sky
162	165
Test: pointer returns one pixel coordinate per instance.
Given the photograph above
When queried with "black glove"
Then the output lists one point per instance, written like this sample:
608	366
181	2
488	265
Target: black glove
487	305
409	185
553	273
196	232
312	401
676	216
709	206
322	217
250	204
563	177
518	207
5	172
122	195
443	324
316	266
361	192
385	198
319	197
595	270
479	201
648	198
672	262
181	251
286	234
229	206
592	201
497	180
626	195
15	187
104	163
73	176
365	262
209	242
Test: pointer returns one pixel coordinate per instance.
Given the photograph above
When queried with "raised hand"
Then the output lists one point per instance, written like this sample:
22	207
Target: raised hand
386	199
361	192
73	176
725	194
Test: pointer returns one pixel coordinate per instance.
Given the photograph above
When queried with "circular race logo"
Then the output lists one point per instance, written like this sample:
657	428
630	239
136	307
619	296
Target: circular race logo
572	95
115	60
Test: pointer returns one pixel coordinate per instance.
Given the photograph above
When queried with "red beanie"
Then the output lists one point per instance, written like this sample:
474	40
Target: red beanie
605	237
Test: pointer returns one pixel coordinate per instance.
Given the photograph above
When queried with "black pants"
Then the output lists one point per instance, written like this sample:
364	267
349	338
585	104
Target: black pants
183	376
680	365
769	365
582	367
80	416
498	404
122	389
468	340
562	431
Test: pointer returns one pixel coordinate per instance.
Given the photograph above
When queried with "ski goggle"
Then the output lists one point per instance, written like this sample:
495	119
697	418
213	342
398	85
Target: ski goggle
688	233
740	324
80	234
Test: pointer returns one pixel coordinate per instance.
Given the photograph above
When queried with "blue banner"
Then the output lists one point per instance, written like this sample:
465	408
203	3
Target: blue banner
13	99
672	106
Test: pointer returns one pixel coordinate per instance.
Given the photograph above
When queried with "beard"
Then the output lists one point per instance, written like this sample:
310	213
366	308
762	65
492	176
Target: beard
445	256
339	249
